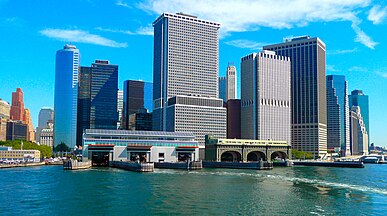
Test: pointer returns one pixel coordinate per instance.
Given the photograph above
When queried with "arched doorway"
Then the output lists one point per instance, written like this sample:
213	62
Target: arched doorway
256	156
231	156
278	155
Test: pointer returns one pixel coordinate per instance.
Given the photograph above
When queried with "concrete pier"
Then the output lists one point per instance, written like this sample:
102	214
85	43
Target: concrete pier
192	165
71	164
260	165
133	166
329	164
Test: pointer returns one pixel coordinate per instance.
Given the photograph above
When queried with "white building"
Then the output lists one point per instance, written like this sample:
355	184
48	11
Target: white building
227	84
265	97
120	107
102	146
186	51
358	133
47	136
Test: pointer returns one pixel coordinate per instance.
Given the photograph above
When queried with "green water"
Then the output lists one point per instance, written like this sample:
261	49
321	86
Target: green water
49	190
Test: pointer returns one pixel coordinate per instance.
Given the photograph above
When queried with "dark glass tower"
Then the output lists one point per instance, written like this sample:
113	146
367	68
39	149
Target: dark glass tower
103	95
338	114
83	115
308	92
358	98
137	95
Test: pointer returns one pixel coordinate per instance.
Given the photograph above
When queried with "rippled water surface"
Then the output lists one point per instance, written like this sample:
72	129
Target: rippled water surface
50	190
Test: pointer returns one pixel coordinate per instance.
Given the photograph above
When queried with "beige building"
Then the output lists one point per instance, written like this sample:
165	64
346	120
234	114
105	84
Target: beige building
24	155
358	133
47	137
5	109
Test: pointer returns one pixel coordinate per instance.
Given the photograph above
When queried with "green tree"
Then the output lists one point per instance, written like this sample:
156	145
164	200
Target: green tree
45	151
297	154
62	147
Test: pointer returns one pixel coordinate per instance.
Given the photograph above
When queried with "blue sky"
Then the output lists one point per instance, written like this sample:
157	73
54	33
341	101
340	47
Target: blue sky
120	31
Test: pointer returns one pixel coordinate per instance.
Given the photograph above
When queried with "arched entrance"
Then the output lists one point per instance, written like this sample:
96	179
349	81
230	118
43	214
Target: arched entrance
256	156
231	156
278	155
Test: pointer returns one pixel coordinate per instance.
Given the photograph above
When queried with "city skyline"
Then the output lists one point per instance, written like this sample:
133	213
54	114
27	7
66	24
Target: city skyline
345	56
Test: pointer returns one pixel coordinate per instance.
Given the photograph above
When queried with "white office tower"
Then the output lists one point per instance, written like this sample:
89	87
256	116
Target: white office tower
120	107
265	97
358	133
186	64
227	84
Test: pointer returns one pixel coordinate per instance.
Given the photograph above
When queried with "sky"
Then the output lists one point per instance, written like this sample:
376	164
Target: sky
121	31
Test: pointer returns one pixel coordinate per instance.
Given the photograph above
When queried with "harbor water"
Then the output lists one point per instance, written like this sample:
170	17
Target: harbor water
50	190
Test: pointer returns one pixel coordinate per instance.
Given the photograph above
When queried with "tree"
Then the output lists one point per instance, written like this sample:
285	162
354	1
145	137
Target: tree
62	147
297	154
45	151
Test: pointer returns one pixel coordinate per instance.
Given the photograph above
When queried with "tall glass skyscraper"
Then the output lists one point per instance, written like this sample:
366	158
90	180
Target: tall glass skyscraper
103	95
358	98
83	115
338	114
66	92
308	92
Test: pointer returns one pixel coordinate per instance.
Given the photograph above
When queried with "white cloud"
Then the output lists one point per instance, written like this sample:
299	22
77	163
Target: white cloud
80	37
357	69
362	37
377	14
331	68
384	75
148	30
247	15
345	51
123	4
246	44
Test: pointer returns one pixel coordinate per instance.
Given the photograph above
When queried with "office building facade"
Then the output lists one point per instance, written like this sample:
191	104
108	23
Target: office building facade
358	133
17	108
30	127
308	92
185	71
84	101
46	114
16	130
66	95
227	84
137	95
265	97
358	98
338	114
140	120
120	107
5	109
103	95
234	119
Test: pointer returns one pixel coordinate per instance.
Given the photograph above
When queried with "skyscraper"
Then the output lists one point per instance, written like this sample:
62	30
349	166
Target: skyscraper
265	96
338	114
66	92
30	127
234	119
137	95
308	92
103	95
120	107
358	98
185	76
97	97
17	108
4	117
46	114
358	133
227	84
83	110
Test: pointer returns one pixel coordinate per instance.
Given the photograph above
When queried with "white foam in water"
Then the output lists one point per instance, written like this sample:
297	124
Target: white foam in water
290	179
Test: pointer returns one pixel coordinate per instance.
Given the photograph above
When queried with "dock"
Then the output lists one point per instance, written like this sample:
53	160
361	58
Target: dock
350	164
133	166
3	166
189	165
259	165
75	165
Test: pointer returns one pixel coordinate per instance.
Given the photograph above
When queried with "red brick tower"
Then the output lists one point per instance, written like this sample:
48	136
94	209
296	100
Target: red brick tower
17	108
